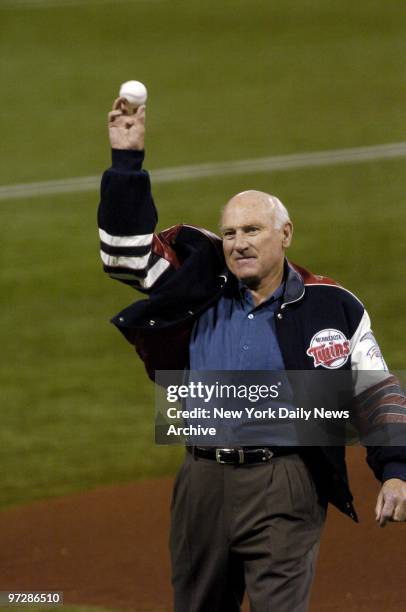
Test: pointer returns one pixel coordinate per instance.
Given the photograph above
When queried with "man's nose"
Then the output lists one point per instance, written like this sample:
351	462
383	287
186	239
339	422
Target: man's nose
240	242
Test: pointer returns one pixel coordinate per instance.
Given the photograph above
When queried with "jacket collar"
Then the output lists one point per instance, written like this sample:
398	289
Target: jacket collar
294	285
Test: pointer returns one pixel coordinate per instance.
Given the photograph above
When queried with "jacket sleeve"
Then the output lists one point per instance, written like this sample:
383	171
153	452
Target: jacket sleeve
380	401
130	250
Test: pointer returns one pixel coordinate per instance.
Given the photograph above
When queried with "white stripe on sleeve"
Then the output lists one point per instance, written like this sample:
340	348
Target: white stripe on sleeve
125	241
154	273
120	261
146	283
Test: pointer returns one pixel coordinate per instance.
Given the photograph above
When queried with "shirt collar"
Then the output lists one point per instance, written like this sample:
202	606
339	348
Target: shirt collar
245	293
291	288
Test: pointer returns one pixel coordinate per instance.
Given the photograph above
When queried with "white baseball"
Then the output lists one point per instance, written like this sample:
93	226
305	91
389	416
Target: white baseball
134	92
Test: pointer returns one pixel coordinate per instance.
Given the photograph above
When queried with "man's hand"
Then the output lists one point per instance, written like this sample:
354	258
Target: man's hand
391	502
126	131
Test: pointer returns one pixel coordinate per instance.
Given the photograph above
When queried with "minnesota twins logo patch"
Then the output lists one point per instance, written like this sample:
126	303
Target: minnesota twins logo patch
329	349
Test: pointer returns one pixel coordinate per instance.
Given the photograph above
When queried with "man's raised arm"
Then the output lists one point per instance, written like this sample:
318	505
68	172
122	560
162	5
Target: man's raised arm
127	217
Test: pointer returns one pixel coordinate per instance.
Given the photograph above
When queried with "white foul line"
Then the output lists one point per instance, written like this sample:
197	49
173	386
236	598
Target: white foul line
21	4
244	166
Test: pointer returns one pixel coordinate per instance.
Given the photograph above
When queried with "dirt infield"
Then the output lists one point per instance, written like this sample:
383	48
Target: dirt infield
109	547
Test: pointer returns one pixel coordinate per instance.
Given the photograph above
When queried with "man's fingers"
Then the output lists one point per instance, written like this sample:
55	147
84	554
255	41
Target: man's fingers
379	505
140	114
387	511
118	103
126	129
399	515
400	510
393	510
391	502
113	114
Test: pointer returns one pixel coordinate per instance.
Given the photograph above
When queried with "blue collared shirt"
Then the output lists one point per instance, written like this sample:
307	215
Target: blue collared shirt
234	334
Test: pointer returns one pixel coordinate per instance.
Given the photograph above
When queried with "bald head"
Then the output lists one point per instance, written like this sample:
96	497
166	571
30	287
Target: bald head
261	201
256	230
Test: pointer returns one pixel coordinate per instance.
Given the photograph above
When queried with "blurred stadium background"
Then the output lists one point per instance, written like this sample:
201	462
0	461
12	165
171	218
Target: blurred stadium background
227	81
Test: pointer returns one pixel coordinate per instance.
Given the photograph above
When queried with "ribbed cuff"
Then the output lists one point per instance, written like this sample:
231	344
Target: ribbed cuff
127	159
394	469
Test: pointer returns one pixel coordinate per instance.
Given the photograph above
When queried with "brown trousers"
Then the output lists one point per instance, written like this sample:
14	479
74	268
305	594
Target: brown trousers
253	527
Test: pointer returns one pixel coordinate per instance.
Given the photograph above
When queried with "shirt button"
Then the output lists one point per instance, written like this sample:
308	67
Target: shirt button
245	347
251	316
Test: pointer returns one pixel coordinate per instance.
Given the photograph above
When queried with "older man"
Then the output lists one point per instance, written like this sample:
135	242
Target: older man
242	518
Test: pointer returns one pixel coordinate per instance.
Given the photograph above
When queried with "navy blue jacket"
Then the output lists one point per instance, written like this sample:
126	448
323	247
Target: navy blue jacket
319	325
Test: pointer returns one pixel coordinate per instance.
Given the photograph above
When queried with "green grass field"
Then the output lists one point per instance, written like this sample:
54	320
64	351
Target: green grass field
227	81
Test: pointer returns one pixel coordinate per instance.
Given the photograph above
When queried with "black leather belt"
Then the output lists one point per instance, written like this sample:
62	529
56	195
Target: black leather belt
236	456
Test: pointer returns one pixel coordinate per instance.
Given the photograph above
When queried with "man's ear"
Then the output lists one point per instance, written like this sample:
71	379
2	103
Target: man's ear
287	234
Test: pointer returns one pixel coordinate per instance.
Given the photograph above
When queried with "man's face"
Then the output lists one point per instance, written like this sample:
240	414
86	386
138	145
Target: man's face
253	248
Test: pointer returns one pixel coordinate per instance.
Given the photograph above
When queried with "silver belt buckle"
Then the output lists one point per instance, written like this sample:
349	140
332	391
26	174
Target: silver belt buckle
229	450
268	454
